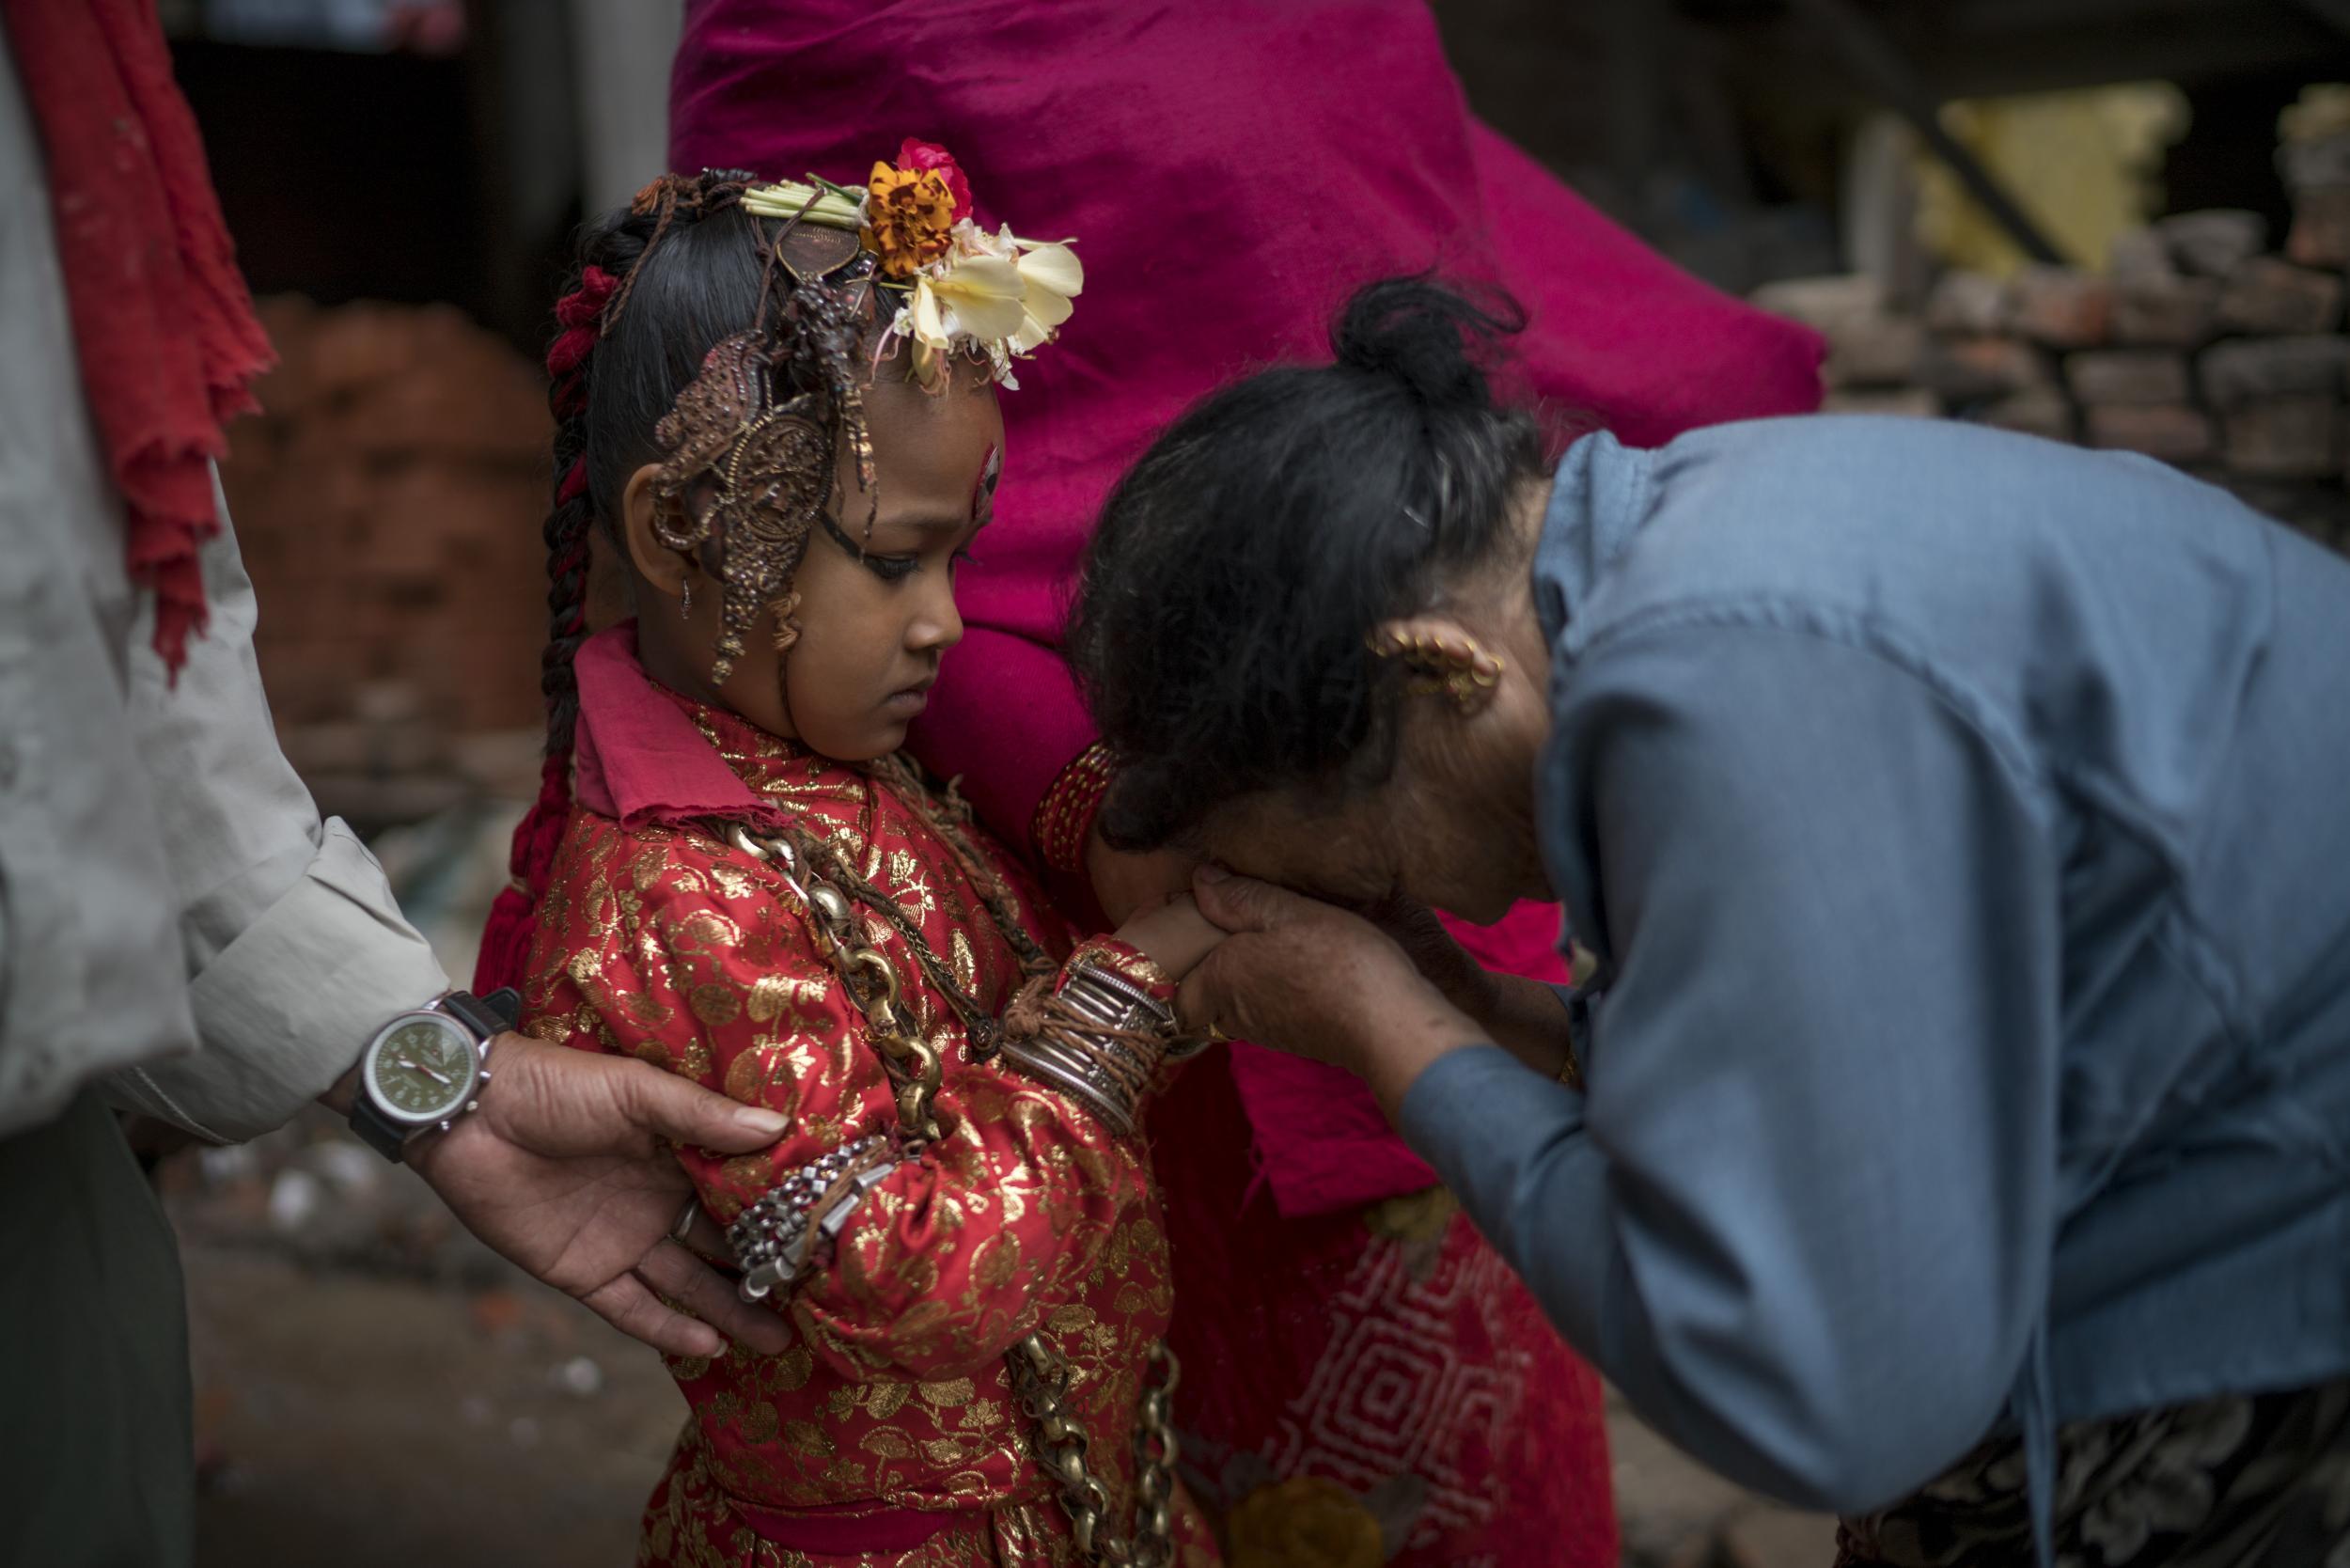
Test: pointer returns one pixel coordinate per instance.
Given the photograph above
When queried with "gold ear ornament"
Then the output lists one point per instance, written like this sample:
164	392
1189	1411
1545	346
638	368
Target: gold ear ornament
1466	671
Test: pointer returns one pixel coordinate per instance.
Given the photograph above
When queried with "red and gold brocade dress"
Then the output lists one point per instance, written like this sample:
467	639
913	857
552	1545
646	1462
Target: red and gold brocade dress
892	1410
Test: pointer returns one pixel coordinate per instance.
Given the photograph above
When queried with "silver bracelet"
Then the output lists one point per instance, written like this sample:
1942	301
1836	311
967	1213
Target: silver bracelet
777	1238
1110	998
1103	1071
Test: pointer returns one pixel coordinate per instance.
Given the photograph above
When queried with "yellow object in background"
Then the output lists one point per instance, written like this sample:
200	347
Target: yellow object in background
2084	164
2323	111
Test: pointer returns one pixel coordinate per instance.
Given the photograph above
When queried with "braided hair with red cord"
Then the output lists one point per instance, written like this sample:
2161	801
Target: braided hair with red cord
656	284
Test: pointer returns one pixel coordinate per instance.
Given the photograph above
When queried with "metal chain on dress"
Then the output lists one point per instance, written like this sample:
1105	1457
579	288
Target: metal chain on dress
871	978
982	1030
1040	1381
980	1026
1039	1378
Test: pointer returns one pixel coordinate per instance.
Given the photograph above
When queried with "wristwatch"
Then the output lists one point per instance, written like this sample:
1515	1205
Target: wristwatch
425	1069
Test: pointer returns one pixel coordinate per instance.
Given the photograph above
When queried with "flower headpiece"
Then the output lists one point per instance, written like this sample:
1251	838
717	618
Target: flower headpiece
959	287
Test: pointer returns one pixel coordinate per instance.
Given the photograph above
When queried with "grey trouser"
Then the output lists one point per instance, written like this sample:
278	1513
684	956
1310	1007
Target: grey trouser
97	1466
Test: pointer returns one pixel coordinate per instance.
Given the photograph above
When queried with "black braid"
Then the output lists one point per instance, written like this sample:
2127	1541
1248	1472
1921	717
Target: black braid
615	246
566	532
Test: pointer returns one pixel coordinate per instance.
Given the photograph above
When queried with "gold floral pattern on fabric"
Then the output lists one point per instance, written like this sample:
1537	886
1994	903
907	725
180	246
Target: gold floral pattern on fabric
1025	1215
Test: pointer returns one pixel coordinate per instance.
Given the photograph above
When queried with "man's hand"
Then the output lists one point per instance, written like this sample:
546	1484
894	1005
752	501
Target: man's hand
564	1170
1313	979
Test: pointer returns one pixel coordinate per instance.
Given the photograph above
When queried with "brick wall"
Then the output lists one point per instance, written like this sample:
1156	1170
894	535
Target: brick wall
388	501
2202	346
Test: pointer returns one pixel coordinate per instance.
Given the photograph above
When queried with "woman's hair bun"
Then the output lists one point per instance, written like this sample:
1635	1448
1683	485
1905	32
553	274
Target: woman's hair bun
1425	335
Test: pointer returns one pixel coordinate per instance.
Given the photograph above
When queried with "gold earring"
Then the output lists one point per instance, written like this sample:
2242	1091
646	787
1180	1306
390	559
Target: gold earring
1466	674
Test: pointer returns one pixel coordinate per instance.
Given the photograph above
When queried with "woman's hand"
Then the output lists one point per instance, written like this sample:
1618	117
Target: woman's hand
1312	978
1441	961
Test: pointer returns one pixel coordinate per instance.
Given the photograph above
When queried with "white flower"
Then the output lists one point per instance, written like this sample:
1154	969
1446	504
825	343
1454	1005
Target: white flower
1050	276
977	295
993	295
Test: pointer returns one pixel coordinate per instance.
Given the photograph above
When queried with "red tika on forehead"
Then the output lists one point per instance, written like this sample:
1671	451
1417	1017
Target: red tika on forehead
983	491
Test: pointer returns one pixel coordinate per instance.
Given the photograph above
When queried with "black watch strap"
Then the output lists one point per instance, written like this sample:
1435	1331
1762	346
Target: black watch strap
379	1132
495	1013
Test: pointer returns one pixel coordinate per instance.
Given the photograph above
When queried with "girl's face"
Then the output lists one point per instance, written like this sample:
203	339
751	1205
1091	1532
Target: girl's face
876	613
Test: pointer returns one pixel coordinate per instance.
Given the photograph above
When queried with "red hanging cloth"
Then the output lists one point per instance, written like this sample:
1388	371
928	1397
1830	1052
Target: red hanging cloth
163	324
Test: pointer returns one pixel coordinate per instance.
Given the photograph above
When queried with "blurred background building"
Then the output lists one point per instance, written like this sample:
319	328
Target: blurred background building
2119	222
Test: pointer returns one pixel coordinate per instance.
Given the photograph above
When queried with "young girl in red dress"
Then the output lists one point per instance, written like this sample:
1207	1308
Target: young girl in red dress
777	408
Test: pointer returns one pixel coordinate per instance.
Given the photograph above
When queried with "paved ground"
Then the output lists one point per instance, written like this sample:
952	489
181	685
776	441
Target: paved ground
376	1390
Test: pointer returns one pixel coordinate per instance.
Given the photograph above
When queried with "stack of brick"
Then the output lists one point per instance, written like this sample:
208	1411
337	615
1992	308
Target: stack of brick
388	501
2198	347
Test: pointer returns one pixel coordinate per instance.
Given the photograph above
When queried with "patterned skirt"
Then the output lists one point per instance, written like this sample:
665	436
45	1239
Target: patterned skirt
2242	1481
1368	1389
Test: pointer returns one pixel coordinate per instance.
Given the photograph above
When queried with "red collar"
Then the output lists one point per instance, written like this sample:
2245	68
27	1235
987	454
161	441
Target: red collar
645	753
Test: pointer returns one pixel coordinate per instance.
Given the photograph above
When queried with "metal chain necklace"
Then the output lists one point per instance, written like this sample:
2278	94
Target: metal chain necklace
980	1026
1040	1380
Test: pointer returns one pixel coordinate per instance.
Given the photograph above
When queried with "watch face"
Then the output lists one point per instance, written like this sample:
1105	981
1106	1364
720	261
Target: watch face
423	1068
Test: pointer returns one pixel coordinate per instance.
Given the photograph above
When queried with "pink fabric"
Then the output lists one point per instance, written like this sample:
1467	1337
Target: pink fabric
1005	718
1231	170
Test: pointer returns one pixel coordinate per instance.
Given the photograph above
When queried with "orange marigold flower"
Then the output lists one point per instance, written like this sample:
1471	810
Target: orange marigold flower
910	219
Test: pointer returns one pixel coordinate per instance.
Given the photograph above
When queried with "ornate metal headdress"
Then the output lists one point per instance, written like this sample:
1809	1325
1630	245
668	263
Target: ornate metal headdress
750	448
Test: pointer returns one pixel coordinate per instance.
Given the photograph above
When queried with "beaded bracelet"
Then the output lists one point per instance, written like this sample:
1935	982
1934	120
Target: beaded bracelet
1064	818
777	1238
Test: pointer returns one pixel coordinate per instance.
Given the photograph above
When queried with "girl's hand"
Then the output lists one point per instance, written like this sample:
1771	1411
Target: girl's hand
1174	936
1312	978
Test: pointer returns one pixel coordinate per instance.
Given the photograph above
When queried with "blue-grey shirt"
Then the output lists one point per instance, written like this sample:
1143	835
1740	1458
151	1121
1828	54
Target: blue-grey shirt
1962	824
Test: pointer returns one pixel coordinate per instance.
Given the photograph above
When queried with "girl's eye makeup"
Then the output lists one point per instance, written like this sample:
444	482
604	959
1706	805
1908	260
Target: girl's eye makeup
890	569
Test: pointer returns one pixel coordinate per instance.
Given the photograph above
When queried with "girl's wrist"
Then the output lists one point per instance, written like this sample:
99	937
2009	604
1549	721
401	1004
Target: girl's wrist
1121	956
1173	937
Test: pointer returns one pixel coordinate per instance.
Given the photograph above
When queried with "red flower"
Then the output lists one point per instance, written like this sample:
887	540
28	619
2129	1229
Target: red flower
915	156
